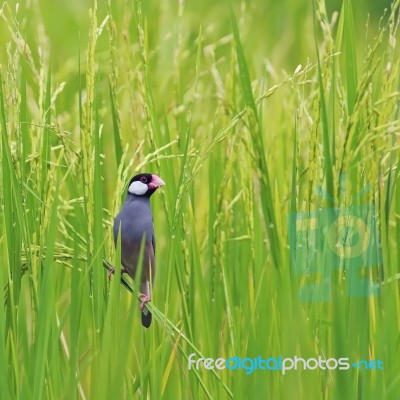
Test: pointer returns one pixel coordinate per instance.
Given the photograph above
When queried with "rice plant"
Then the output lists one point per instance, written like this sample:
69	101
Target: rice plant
257	115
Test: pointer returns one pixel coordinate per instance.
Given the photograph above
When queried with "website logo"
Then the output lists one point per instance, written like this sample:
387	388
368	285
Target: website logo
249	365
342	239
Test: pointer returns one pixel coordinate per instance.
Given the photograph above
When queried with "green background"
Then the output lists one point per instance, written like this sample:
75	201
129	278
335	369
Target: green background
244	109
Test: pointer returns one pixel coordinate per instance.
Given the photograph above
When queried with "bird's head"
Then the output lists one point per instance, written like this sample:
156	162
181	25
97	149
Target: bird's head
144	184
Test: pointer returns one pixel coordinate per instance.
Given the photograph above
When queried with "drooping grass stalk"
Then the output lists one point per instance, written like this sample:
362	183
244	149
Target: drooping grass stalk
184	91
258	143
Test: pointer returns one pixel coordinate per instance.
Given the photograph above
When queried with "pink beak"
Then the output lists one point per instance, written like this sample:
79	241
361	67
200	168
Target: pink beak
156	182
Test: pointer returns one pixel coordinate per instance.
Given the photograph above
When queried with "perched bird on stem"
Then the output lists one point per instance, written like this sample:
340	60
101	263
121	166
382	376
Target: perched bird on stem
135	220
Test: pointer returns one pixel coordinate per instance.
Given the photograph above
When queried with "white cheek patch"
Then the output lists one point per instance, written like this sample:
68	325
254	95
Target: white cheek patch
138	188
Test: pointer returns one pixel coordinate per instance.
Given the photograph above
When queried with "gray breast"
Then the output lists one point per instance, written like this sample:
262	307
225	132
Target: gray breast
136	221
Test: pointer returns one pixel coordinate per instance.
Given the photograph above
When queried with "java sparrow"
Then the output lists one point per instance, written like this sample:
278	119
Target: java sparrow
135	220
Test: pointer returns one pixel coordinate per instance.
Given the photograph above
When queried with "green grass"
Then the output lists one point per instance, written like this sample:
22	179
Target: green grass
245	115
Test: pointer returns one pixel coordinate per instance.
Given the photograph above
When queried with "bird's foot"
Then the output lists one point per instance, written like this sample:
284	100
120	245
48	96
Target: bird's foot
144	298
111	272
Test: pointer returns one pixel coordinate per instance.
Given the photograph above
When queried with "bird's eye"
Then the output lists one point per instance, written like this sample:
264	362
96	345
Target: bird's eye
143	179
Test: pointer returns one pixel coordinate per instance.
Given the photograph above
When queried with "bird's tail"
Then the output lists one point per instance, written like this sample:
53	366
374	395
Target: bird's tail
145	297
146	317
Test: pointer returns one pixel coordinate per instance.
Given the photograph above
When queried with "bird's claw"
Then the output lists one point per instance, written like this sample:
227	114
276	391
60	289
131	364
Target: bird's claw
144	298
111	272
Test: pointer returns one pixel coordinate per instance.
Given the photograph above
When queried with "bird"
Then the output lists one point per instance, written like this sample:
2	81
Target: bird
135	224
